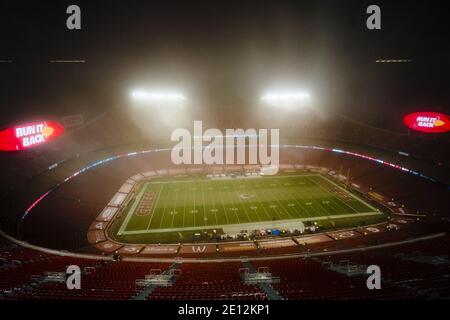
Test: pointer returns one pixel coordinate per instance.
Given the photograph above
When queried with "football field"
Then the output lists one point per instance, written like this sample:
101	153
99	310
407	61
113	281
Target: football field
198	203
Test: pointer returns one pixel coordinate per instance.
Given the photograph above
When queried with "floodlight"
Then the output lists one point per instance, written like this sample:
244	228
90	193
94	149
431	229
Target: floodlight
157	96
287	99
285	96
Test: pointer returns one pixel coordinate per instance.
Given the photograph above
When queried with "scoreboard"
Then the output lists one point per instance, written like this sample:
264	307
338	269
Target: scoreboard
29	135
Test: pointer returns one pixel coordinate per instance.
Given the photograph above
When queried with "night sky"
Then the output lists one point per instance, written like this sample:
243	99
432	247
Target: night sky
224	53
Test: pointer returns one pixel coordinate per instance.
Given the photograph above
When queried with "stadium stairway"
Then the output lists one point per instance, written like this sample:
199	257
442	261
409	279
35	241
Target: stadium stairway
22	289
351	268
147	289
264	286
39	278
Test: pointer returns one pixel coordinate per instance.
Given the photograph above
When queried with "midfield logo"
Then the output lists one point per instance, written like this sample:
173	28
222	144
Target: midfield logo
221	148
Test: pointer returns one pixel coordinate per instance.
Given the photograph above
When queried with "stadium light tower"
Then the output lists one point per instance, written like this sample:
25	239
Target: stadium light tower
287	99
153	96
285	96
162	107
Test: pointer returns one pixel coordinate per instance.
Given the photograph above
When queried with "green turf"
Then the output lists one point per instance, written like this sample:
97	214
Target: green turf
193	203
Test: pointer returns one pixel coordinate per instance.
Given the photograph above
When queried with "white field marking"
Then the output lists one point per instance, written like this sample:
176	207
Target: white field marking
164	209
132	209
296	199
349	193
285	197
322	208
223	206
267	210
154	207
283	207
248	225
338	202
184	203
258	199
309	198
240	200
175	202
204	210
264	189
195	224
214	209
337	206
232	203
299	202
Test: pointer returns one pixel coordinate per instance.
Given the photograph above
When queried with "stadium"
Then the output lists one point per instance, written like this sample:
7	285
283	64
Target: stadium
97	187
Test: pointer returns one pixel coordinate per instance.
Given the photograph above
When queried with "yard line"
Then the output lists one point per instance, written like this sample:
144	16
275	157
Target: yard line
279	201
263	187
240	200
307	208
312	195
164	210
250	185
322	192
184	203
154	206
283	198
204	209
232	203
193	211
351	194
340	202
214	205
299	197
223	205
295	196
336	202
174	208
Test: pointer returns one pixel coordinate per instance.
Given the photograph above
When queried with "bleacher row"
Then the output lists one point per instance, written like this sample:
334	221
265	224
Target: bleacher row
420	271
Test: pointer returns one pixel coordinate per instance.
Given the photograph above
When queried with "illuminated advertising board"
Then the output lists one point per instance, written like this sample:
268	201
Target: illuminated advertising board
428	122
29	135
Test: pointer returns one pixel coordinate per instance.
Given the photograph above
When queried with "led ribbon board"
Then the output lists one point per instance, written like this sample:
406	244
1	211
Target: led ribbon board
29	135
428	122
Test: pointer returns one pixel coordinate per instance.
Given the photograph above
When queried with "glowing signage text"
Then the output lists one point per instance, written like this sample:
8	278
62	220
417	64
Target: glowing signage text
29	135
428	122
